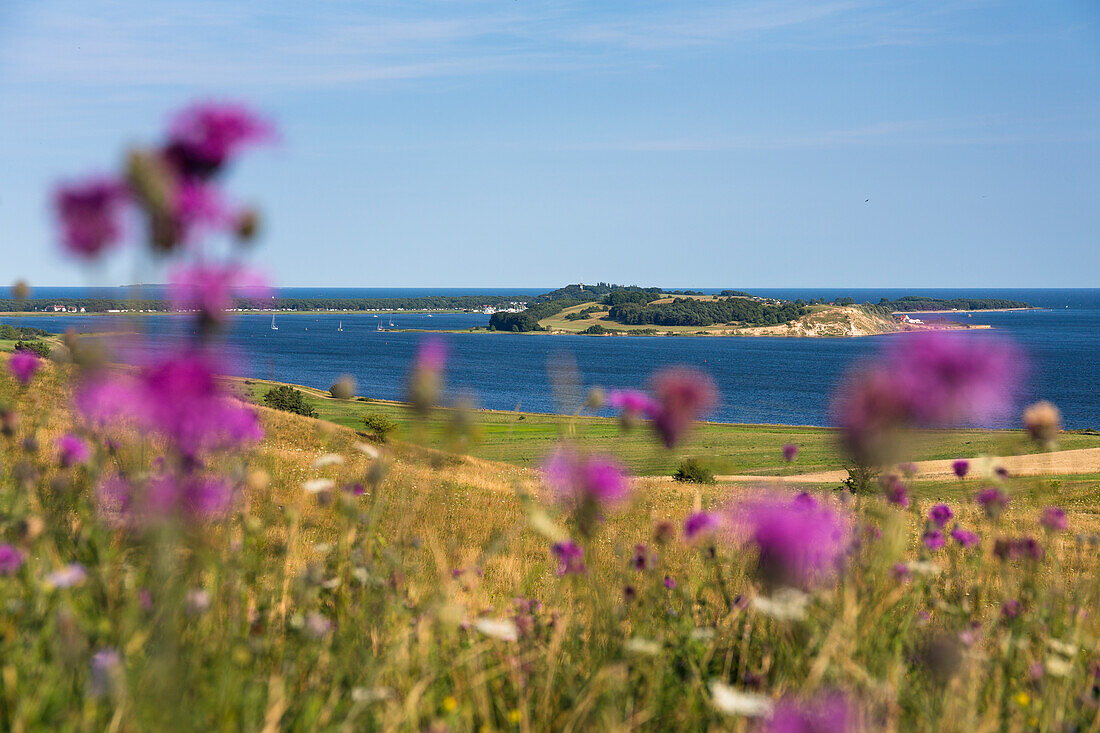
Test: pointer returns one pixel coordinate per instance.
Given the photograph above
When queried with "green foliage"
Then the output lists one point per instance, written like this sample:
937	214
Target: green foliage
861	480
632	295
286	398
695	312
693	472
595	330
16	333
38	347
379	425
528	320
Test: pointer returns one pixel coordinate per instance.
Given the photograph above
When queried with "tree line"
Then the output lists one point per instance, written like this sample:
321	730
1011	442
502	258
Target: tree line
692	312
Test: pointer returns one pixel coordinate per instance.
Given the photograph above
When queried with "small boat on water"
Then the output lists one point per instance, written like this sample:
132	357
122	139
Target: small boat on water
273	326
341	327
380	326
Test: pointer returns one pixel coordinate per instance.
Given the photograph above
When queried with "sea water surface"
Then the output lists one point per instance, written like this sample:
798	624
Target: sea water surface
761	380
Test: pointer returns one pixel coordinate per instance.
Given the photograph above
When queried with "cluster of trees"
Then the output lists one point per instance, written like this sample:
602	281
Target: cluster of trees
92	305
528	320
632	295
286	398
428	302
692	312
16	333
913	303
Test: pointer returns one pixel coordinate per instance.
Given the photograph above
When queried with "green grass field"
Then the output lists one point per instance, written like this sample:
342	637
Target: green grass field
524	438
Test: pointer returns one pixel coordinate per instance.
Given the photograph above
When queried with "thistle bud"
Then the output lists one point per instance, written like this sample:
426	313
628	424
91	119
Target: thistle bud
247	225
1043	422
344	388
20	290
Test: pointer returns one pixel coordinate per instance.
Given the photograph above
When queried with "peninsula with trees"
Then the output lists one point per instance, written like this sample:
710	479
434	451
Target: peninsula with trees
606	309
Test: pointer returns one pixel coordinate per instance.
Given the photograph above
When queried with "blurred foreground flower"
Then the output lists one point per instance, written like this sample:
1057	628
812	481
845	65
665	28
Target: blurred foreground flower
931	379
831	713
426	380
23	365
1043	422
179	398
683	396
73	450
209	289
90	213
799	543
11	559
734	702
1054	519
585	483
570	557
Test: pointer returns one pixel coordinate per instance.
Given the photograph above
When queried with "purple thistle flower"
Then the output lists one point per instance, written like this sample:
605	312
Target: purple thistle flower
933	539
895	490
23	364
71	575
929	379
909	469
670	582
1017	548
89	213
431	355
683	395
798	545
1054	519
790	452
950	379
570	557
203	137
992	500
701	524
901	572
961	467
105	668
630	593
830	713
641	559
73	449
940	515
11	559
965	538
179	398
632	402
209	289
579	479
1011	609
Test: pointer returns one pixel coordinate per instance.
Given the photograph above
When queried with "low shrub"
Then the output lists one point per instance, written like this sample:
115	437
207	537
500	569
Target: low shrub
286	398
37	347
693	472
379	425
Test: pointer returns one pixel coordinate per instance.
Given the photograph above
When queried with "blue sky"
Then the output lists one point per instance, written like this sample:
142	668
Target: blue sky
841	143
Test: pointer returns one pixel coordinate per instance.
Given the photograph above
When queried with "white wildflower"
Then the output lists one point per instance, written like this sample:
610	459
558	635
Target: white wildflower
368	450
328	459
541	522
1060	647
702	634
786	604
923	567
68	576
1058	667
734	702
502	629
318	485
647	647
371	694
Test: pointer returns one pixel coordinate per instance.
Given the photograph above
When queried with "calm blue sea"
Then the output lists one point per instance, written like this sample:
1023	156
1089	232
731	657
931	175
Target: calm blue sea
762	380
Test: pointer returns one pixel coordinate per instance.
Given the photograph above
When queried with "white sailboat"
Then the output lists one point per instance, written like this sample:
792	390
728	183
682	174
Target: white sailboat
380	326
341	327
273	326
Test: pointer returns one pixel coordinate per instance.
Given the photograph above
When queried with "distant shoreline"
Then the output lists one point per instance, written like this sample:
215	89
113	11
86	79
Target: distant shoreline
977	310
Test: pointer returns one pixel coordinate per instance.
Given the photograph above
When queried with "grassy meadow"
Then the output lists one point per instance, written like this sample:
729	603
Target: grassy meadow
430	601
524	438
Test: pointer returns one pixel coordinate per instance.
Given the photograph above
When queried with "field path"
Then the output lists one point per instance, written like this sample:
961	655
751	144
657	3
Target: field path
1081	460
